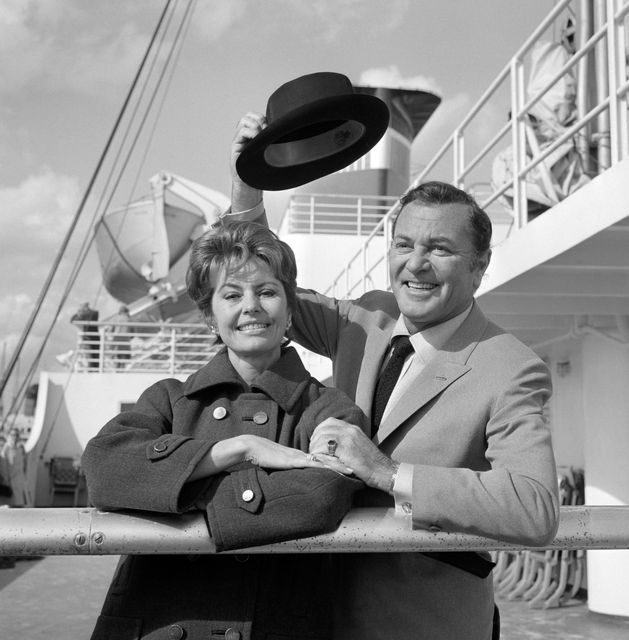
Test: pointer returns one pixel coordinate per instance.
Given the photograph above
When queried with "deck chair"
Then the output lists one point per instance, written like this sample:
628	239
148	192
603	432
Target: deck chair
66	477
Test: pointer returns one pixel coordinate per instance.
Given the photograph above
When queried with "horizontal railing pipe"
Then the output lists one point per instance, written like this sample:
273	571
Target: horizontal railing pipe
87	531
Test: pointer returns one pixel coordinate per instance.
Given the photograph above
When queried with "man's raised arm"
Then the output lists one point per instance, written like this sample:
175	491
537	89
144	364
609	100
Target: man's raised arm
247	202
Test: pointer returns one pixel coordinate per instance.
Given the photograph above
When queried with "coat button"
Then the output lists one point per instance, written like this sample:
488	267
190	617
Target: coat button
232	634
160	446
175	632
407	507
247	495
219	413
260	417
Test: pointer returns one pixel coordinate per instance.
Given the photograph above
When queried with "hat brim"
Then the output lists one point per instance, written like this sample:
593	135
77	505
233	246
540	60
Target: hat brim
336	132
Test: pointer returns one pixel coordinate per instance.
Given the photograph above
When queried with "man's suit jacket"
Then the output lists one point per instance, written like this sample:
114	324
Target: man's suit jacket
483	463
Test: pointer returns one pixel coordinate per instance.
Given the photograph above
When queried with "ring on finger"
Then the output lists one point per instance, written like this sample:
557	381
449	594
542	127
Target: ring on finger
332	444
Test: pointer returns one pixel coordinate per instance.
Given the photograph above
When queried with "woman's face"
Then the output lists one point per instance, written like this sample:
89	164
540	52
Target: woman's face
250	311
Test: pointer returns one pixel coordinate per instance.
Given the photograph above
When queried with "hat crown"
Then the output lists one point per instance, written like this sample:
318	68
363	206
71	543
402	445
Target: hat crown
306	90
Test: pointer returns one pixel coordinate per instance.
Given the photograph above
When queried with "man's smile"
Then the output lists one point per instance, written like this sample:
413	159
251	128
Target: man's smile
420	286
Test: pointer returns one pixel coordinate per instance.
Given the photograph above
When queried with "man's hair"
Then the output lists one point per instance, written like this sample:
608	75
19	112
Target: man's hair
231	247
437	193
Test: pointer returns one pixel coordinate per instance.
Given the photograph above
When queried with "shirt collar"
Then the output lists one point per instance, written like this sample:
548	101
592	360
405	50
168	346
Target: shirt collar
429	340
284	381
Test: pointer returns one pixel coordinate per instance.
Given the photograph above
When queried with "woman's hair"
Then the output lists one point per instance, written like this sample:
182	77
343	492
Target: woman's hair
231	247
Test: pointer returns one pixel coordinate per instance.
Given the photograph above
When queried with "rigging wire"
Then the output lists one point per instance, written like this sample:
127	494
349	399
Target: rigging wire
173	56
103	208
84	251
47	284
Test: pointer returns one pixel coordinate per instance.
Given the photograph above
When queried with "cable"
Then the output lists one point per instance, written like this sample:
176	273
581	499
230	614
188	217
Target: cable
29	325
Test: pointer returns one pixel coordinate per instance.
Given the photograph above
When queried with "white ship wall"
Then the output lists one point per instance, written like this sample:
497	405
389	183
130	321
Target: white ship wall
320	257
71	408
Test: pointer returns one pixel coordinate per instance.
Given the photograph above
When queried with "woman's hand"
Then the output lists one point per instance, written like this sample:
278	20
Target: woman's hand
356	450
271	455
263	453
243	196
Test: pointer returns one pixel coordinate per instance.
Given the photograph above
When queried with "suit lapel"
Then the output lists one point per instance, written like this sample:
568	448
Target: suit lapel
436	376
376	345
449	364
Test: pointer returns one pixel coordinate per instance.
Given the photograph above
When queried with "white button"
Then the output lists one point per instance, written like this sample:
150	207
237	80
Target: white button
219	413
247	495
407	507
260	418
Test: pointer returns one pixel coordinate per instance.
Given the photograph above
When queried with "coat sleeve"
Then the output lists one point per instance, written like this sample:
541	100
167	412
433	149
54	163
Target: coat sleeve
251	506
317	321
137	462
516	499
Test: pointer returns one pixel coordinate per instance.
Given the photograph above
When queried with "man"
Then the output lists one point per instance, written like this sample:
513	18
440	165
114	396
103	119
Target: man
89	335
461	443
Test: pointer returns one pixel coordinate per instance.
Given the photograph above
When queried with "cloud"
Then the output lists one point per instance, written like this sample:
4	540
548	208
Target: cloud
391	77
71	44
212	18
36	215
328	18
37	209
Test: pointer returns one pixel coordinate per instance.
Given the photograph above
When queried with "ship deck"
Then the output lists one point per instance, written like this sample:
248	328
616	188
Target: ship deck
60	596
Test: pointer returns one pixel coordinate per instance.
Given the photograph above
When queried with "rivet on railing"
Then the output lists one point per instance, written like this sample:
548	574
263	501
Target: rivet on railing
80	539
98	537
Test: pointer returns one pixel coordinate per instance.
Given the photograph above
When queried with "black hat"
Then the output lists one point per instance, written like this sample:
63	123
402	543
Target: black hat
316	125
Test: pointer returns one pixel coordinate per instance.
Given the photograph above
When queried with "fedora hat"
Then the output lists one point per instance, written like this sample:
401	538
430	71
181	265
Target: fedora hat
316	125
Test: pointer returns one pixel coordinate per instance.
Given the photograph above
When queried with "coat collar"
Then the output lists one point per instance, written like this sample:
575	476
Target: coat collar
283	382
449	364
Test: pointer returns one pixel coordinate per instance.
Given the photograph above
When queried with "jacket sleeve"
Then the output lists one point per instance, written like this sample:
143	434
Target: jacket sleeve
317	321
137	462
516	499
251	506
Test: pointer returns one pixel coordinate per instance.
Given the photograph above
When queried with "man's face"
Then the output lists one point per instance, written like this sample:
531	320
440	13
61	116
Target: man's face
433	264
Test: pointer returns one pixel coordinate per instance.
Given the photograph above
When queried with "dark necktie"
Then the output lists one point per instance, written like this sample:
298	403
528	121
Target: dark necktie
401	348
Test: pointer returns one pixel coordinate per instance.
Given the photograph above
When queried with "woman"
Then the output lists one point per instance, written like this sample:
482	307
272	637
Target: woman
232	441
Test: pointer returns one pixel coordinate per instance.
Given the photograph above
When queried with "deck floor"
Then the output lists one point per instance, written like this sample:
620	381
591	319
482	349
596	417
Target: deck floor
61	596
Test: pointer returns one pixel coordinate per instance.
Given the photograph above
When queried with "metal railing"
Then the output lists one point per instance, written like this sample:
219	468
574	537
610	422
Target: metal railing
335	214
600	129
141	347
88	531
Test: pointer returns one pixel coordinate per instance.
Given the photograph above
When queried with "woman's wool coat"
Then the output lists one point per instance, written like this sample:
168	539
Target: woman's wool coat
143	458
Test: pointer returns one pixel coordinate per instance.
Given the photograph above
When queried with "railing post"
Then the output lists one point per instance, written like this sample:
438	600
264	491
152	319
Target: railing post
584	75
387	244
605	65
364	275
458	151
173	343
615	61
455	157
621	78
312	214
518	137
101	349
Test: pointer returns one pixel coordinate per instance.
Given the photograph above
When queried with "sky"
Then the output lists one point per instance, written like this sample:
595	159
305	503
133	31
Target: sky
67	65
